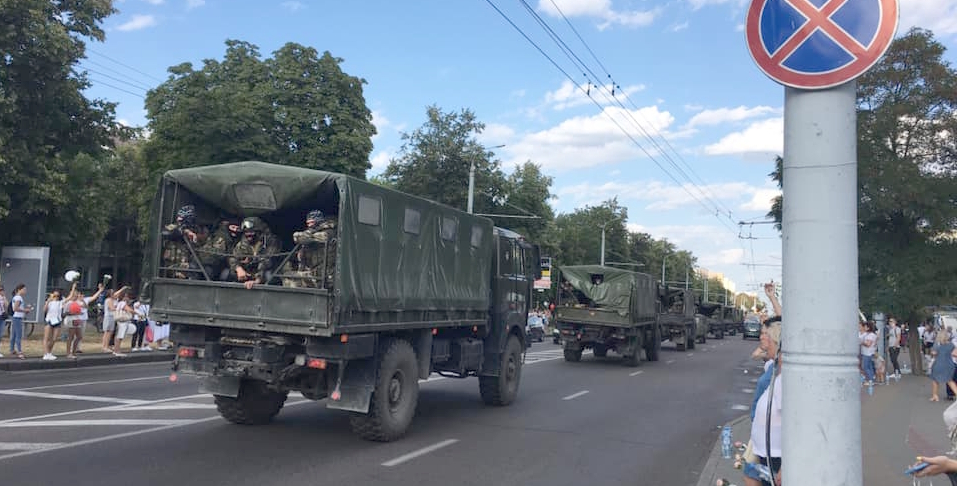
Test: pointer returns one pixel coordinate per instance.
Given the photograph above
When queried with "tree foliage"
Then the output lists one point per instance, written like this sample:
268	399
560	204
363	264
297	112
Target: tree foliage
907	172
53	139
296	108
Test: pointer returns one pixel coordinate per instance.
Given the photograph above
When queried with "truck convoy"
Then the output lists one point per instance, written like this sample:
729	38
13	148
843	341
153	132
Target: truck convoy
677	318
607	309
416	288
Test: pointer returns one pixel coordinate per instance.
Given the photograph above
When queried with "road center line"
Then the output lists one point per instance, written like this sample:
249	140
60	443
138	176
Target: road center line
669	361
421	452
73	423
85	398
100	409
576	395
164	377
28	446
636	373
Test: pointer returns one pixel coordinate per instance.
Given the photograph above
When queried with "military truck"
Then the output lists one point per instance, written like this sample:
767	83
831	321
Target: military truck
733	319
607	309
710	313
418	288
677	317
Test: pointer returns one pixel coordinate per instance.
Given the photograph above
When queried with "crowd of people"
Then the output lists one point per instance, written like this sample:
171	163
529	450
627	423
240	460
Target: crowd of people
248	252
68	317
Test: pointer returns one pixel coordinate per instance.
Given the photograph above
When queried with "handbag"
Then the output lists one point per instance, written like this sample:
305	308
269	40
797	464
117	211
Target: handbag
748	455
122	315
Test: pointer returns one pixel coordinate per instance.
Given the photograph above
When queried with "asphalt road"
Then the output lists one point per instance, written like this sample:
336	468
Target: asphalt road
593	422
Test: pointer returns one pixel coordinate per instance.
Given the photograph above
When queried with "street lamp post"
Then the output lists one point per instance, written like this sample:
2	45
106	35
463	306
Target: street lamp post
663	260
472	180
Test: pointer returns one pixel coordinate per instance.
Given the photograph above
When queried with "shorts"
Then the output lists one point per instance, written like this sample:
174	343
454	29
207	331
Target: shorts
122	328
109	323
54	324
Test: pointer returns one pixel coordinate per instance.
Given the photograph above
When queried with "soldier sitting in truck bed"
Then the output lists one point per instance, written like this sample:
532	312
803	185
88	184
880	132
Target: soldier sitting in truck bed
218	247
313	265
254	254
178	237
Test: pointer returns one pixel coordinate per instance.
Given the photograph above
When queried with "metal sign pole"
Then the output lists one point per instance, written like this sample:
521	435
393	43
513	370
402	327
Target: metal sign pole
821	435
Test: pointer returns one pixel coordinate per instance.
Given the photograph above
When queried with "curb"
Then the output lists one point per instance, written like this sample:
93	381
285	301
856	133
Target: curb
708	472
14	365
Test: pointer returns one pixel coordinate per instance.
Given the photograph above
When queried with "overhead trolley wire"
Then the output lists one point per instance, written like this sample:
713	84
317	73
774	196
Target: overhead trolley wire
613	120
609	96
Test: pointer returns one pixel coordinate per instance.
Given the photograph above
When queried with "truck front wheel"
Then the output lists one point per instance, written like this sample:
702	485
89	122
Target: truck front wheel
394	398
502	389
573	355
600	350
255	405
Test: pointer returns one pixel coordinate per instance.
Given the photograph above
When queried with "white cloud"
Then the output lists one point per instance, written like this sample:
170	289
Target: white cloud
293	6
380	160
679	27
496	134
137	22
761	200
588	141
380	122
600	9
761	137
659	196
698	4
725	115
155	2
568	95
191	4
730	256
939	16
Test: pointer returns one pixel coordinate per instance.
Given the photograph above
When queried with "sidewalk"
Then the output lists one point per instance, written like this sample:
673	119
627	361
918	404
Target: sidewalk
10	364
898	423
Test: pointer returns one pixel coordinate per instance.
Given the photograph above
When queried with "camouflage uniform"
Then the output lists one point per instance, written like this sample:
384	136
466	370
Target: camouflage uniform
176	255
315	262
217	248
256	257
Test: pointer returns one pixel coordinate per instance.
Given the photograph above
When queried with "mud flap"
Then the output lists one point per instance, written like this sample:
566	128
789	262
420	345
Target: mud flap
355	391
226	386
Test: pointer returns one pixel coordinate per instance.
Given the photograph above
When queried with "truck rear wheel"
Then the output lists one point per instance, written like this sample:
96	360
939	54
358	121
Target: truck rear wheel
691	340
573	355
600	350
255	405
653	344
394	398
681	342
633	359
501	390
719	334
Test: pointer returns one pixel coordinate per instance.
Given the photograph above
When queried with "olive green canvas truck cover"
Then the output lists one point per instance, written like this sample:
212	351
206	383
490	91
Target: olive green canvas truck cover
402	261
622	298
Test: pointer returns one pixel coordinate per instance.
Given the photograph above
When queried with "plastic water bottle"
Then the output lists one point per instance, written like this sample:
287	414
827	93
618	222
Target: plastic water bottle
870	389
726	442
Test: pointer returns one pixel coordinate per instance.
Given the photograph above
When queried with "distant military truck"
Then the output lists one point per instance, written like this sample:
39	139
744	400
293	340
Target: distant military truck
607	309
677	317
734	320
417	288
711	314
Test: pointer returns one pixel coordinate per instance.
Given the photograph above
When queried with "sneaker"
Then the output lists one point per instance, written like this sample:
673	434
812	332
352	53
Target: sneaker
48	357
146	348
119	355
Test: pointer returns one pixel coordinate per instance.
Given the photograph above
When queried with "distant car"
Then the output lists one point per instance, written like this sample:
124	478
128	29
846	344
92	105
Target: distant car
535	328
752	328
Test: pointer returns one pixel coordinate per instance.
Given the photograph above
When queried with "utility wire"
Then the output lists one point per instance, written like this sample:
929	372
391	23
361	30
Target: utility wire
98	73
127	66
613	120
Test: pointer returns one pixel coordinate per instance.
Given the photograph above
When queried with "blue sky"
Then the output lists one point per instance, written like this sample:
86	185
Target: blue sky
681	68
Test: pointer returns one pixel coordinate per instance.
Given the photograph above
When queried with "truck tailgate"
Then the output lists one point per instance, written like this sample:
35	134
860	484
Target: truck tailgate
231	306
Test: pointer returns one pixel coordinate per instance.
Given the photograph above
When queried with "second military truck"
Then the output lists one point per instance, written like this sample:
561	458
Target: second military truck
607	309
417	288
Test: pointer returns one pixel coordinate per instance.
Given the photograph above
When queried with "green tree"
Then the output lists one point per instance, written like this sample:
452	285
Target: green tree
578	235
527	192
53	139
434	162
296	108
907	164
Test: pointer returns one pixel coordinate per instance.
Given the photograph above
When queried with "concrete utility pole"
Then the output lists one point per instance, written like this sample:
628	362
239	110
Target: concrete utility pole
821	434
663	260
472	180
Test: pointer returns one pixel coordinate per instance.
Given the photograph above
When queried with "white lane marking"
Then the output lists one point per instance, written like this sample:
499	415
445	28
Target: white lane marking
753	380
168	406
28	446
74	423
99	409
636	373
421	452
84	398
97	440
747	390
575	395
740	407
669	361
164	377
690	354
